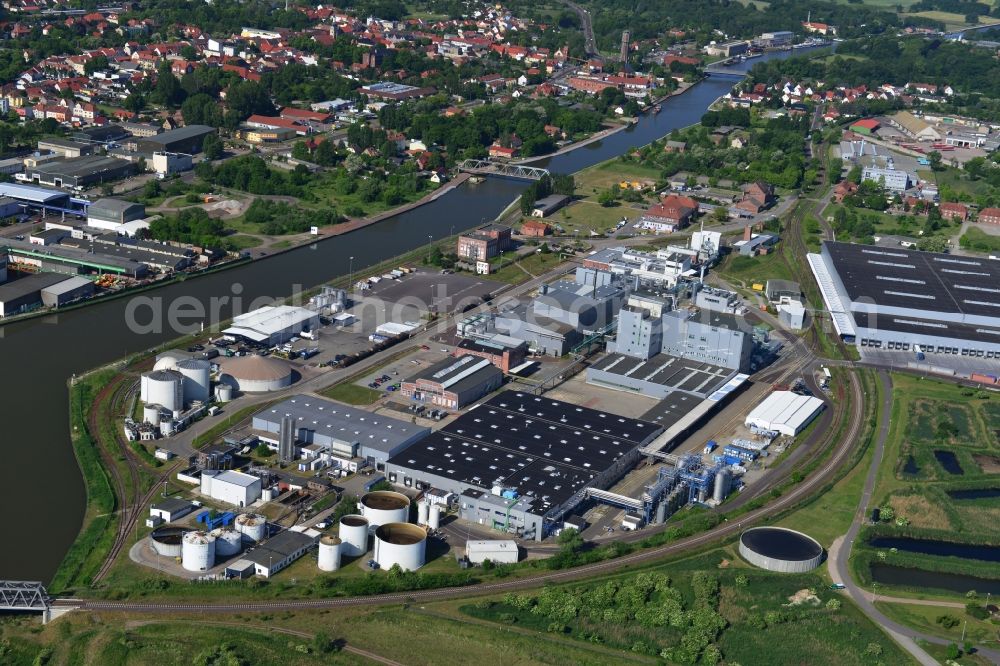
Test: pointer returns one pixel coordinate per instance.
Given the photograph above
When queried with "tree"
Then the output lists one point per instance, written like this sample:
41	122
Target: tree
935	159
953	651
263	450
95	64
151	189
212	147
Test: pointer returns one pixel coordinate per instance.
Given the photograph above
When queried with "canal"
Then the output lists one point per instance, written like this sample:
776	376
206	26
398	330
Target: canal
42	494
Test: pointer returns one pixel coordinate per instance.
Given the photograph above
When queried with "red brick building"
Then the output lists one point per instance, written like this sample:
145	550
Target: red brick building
672	213
484	243
954	211
535	228
990	216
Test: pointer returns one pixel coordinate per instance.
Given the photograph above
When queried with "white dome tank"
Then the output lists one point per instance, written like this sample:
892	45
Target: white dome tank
197	385
227	541
163	387
434	517
167	361
404	544
252	526
151	414
422	510
354	535
197	551
223	393
385	506
329	553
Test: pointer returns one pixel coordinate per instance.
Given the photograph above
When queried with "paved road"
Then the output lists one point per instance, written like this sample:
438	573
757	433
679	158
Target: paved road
587	26
840	552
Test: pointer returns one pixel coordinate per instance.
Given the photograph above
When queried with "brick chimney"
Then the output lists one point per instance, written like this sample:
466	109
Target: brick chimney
747	233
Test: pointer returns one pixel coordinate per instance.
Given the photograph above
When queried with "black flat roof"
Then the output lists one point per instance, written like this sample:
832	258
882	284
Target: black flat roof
934	328
544	448
671	371
929	281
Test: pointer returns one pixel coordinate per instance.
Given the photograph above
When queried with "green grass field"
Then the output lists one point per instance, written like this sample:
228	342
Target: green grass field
746	271
525	268
582	217
977	239
353	394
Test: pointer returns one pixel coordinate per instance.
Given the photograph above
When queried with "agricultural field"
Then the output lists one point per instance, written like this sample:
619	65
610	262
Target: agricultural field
707	608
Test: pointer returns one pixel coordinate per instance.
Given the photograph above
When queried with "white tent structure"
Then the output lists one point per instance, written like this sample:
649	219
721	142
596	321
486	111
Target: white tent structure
784	412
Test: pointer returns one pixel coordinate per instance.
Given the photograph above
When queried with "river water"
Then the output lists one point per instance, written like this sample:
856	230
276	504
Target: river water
42	495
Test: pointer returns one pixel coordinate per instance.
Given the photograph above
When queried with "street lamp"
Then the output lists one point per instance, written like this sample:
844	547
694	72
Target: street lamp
350	274
429	239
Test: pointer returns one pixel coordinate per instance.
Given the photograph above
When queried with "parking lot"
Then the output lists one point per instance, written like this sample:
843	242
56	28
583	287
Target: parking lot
432	291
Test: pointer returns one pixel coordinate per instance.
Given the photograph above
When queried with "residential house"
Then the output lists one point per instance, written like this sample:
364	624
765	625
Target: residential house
672	213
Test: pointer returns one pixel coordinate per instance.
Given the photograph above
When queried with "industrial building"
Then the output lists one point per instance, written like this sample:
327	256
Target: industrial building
346	432
896	299
502	351
230	486
86	259
519	462
272	325
894	180
67	291
36	198
784	412
188	139
171	509
110	213
454	382
81	171
658	376
25	294
497	551
273	555
484	243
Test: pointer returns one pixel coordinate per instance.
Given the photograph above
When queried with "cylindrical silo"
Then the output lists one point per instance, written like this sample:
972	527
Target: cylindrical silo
722	482
329	553
166	541
423	509
163	387
385	506
252	526
661	512
223	393
228	541
198	551
434	517
167	427
151	414
353	535
404	544
196	383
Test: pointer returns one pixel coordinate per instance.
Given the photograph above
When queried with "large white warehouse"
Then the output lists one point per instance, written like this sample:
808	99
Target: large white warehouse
230	486
272	325
784	412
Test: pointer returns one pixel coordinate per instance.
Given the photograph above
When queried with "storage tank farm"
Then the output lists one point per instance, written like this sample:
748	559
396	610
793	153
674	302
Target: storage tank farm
404	544
163	387
228	541
252	526
329	553
385	506
196	383
353	530
198	551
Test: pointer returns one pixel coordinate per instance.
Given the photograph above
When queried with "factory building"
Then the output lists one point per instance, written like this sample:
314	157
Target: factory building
346	432
110	213
37	198
81	171
171	509
784	412
272	325
67	291
25	294
188	139
278	552
894	299
502	351
497	551
519	462
894	180
230	486
454	382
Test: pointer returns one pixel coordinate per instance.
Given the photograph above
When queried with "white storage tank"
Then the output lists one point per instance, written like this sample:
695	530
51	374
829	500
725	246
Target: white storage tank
167	361
151	414
166	541
385	506
422	511
353	535
167	427
252	526
404	544
228	541
196	383
329	553
198	551
223	393
162	387
723	479
434	517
